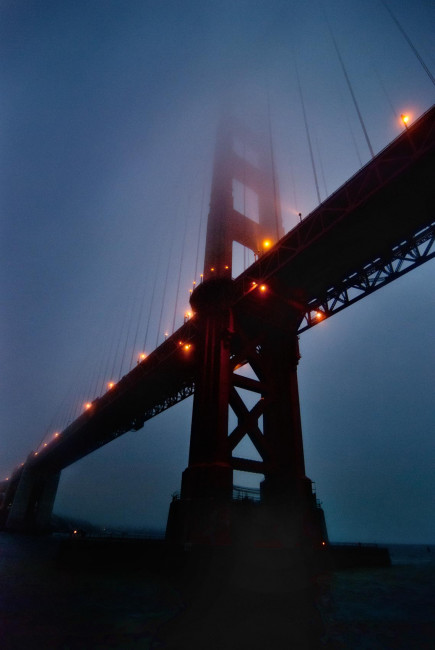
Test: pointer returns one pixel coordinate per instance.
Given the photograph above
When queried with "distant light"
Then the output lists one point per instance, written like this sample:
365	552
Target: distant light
263	288
187	315
75	532
142	356
253	284
187	346
194	282
88	405
36	453
45	444
110	385
212	269
7	478
57	434
319	315
267	243
226	266
323	543
166	335
405	118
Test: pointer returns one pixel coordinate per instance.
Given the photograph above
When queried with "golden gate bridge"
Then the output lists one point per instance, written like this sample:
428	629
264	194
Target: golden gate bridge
371	231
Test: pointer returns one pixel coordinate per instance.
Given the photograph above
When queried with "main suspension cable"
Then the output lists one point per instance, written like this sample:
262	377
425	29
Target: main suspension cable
410	43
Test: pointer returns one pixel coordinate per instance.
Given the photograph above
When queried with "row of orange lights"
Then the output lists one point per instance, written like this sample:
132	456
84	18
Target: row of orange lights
55	435
267	243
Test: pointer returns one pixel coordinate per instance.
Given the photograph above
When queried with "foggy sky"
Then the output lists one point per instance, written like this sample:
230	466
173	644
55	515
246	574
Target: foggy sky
108	113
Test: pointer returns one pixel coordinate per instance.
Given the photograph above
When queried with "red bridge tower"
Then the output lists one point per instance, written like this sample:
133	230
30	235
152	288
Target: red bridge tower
256	330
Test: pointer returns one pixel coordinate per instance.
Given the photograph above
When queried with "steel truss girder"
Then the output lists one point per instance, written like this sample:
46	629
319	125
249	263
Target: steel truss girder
403	258
138	421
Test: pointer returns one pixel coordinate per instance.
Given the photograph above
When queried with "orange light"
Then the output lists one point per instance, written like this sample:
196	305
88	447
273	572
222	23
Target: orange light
267	243
110	385
323	543
263	288
212	269
36	453
226	266
405	118
75	532
7	478
187	346
253	284
45	444
142	356
319	315
56	435
88	405
188	315
194	282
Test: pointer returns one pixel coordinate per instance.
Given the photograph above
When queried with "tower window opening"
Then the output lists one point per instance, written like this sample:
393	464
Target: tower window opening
245	201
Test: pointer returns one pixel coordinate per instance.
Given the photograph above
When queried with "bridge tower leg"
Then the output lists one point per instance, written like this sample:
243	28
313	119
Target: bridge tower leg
289	505
207	482
33	501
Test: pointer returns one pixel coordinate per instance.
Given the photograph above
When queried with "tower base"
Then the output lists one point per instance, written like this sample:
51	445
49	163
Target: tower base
246	523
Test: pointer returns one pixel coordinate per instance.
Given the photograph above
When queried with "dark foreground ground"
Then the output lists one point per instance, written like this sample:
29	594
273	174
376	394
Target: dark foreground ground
253	602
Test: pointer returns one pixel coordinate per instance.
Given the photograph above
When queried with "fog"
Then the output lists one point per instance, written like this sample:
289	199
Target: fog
109	113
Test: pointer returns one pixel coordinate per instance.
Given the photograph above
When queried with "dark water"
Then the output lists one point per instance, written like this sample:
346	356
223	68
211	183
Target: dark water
44	605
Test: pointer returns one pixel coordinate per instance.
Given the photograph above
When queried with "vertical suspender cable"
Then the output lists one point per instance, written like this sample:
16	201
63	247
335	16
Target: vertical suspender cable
272	161
180	268
198	243
138	326
322	170
150	311
99	377
245	263
387	96
106	375
352	135
410	43
164	292
118	340
349	85
130	322
293	186
307	131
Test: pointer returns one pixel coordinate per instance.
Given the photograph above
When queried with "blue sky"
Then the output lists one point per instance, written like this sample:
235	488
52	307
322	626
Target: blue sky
108	112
